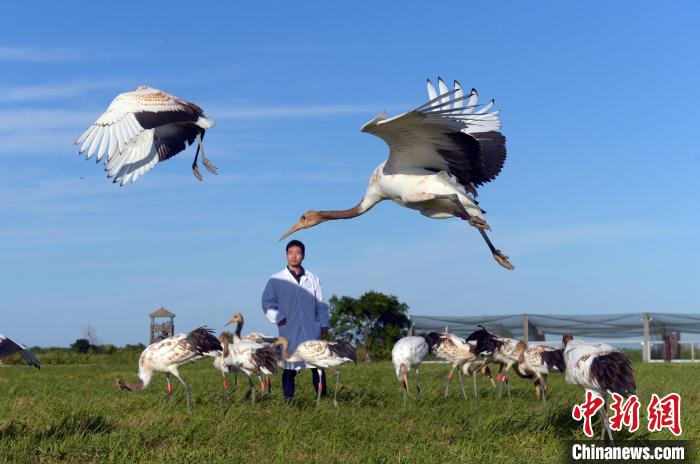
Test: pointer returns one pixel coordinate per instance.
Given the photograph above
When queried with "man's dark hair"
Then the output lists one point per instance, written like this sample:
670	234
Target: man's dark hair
298	244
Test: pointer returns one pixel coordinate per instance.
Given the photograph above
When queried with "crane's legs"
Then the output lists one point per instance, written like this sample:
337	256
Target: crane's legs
187	390
606	424
195	169
461	383
474	380
225	385
320	386
481	225
544	389
170	388
449	378
417	384
207	164
337	385
251	388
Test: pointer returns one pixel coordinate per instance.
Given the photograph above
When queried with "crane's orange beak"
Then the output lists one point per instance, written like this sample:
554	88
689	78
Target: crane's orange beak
295	227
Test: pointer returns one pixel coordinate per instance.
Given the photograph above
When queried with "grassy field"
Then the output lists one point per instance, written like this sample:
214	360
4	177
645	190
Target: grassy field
74	413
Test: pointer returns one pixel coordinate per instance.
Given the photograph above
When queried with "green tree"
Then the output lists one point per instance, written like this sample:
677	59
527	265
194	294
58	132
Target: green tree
82	345
374	321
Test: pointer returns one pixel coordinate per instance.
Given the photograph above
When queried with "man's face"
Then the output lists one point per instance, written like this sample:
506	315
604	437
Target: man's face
294	256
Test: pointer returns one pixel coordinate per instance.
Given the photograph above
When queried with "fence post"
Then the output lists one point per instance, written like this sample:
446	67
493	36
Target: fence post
646	349
526	328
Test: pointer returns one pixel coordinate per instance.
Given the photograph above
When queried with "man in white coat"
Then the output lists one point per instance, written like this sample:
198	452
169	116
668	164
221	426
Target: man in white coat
294	301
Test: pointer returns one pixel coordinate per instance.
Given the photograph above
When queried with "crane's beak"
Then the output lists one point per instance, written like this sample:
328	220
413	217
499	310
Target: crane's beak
294	228
230	321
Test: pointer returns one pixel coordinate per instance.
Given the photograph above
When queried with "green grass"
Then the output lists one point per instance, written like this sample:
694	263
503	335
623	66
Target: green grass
74	413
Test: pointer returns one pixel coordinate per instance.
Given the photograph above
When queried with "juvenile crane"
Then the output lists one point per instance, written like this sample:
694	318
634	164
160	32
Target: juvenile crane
253	337
462	355
142	128
169	354
321	354
537	362
600	368
408	353
9	347
246	357
439	153
500	350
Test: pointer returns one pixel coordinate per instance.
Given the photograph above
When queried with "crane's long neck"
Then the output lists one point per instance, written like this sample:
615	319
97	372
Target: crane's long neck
239	329
368	201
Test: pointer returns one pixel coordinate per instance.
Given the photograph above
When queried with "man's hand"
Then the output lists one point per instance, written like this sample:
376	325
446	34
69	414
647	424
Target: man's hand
324	333
282	322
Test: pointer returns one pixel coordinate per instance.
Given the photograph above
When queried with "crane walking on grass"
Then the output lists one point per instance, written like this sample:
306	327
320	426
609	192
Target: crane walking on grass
246	357
440	152
321	354
408	353
9	347
461	355
142	128
600	368
252	337
537	362
500	350
169	354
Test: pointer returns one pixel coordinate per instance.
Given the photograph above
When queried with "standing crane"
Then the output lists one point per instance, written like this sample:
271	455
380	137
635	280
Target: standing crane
246	357
253	337
439	153
600	368
462	355
169	354
537	362
321	354
9	347
500	350
142	128
408	353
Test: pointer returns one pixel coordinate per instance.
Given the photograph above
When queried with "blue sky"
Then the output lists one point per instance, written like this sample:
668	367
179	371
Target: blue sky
596	205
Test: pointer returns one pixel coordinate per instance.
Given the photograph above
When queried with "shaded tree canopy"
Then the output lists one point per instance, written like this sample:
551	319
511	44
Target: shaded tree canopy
374	321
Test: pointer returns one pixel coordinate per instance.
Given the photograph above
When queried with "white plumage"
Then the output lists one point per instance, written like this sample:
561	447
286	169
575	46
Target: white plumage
169	354
249	358
9	347
600	368
462	355
408	353
142	128
537	362
440	152
321	354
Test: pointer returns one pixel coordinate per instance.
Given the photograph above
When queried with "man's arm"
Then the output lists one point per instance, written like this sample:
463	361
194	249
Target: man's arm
322	309
270	304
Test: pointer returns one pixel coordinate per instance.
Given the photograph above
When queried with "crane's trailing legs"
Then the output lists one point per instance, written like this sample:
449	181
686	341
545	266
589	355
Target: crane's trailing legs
482	226
207	164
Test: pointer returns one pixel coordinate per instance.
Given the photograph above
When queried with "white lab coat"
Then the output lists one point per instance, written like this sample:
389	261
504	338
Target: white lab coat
301	304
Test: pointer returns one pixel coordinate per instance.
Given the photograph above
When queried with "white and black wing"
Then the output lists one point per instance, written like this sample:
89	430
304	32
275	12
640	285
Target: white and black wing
451	132
141	128
9	347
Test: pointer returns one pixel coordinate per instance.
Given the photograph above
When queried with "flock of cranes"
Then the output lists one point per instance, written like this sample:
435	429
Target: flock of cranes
594	366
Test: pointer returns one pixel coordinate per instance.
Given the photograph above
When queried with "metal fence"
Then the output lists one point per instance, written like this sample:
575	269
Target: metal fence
660	336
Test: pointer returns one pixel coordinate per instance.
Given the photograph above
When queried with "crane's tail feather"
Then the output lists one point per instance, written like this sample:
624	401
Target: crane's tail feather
614	373
202	339
343	349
